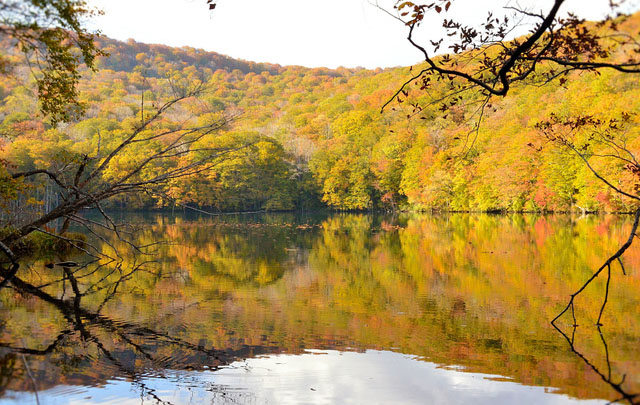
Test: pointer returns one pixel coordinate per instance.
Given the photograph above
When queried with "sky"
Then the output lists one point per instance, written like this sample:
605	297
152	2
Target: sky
327	33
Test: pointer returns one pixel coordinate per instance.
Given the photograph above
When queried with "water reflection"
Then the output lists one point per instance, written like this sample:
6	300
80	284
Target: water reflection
617	383
329	377
471	291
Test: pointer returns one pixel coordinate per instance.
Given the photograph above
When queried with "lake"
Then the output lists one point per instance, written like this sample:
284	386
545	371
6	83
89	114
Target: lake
328	308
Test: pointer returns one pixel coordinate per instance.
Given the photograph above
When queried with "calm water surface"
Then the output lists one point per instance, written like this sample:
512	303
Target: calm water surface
329	309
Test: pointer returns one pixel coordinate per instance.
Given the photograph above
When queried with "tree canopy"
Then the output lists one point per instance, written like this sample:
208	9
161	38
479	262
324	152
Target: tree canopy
55	41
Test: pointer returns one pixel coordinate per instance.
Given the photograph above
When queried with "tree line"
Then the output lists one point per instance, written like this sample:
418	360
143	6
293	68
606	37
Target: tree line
317	138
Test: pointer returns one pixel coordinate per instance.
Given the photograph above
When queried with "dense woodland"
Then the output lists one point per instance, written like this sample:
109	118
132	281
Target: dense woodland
309	138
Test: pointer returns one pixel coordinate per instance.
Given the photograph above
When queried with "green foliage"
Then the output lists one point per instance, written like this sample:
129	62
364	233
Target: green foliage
52	36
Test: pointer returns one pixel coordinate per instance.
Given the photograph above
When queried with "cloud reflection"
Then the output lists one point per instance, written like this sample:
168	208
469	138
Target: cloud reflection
317	377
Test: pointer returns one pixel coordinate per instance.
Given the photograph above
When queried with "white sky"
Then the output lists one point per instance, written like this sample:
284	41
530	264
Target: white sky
314	33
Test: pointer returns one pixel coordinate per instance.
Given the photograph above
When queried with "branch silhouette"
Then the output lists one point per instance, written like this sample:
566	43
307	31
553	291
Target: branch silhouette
607	377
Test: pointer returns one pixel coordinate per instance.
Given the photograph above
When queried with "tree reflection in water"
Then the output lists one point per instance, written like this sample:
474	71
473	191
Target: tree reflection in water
84	329
607	376
471	292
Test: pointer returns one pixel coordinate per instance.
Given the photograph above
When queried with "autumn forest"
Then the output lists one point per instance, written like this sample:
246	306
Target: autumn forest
311	138
178	226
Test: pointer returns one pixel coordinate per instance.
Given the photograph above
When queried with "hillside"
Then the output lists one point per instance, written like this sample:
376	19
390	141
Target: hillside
319	137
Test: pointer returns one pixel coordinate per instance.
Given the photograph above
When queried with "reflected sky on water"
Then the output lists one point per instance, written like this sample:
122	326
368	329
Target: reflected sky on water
317	377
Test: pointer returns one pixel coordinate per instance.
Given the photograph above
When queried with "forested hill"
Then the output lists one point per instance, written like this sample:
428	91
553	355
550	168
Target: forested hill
318	136
160	59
